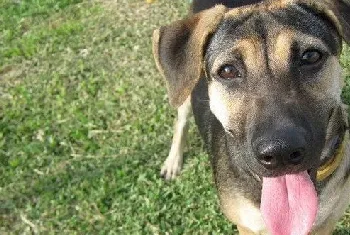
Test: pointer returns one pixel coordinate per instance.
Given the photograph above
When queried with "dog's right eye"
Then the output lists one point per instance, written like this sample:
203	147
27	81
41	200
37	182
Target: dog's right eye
310	57
229	72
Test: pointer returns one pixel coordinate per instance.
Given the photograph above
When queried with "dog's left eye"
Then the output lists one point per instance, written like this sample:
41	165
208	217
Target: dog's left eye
310	57
229	72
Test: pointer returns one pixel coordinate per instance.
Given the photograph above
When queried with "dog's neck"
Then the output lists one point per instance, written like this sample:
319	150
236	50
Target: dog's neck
330	166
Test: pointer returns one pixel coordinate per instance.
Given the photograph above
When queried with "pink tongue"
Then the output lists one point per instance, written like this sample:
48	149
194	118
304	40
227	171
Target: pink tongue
289	204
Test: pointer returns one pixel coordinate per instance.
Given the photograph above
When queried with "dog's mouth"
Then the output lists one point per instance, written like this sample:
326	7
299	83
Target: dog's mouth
289	203
289	200
329	160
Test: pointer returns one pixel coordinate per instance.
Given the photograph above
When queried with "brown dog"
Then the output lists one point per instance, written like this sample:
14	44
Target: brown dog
264	82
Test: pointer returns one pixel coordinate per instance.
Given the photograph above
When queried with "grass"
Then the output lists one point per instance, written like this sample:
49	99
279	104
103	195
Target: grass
85	124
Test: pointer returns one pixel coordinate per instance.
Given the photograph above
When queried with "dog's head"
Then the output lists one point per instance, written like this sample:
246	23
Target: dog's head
273	75
274	79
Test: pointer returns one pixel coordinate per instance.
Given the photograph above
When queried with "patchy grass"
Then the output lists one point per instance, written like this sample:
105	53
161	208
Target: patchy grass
85	124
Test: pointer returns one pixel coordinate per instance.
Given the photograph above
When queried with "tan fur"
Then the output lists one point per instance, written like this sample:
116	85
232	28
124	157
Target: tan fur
251	50
280	52
243	213
244	231
226	108
155	50
173	164
328	86
181	82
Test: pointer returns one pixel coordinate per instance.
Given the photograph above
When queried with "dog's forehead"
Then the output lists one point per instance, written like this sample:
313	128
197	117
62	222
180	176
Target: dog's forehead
262	6
265	21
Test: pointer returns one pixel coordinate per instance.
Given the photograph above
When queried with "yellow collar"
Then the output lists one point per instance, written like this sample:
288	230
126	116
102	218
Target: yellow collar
329	167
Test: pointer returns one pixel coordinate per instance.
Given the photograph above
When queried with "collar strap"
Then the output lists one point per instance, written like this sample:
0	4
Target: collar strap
331	165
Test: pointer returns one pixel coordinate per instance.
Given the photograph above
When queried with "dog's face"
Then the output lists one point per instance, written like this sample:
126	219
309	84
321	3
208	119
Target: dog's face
274	84
273	78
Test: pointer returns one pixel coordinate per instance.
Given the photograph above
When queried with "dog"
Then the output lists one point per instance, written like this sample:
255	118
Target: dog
264	82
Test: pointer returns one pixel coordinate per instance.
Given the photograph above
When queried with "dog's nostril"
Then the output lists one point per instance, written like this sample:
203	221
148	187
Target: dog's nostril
296	157
268	160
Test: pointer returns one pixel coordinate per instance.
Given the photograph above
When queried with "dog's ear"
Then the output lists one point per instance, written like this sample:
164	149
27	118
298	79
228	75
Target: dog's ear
338	11
178	50
341	9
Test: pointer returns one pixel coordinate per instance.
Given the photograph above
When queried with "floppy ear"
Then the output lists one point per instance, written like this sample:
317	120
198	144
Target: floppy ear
178	50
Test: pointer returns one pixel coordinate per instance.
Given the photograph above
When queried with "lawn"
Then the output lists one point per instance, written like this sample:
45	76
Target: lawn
85	124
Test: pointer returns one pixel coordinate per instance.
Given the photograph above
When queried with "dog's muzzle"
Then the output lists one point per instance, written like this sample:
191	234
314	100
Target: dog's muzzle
283	149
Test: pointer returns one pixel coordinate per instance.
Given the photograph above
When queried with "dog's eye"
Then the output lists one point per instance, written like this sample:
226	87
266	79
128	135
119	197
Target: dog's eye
228	72
311	57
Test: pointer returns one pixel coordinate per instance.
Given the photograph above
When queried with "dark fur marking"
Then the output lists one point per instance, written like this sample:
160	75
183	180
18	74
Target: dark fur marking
231	26
261	30
344	12
300	16
199	5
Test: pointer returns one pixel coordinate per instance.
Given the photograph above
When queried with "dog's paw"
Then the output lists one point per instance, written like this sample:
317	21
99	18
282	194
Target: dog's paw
171	168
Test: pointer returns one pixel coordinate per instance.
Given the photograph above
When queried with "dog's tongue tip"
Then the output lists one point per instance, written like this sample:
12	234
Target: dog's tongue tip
289	204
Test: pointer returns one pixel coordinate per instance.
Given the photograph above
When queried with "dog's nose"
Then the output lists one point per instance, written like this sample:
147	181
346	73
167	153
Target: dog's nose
283	149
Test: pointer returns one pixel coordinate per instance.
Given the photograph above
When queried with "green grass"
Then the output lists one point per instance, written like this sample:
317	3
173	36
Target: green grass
85	124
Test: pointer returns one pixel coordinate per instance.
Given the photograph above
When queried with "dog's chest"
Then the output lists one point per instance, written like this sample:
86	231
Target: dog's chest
243	213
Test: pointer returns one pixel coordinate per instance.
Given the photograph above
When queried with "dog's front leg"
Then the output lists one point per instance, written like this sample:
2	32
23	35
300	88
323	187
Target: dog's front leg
245	231
173	164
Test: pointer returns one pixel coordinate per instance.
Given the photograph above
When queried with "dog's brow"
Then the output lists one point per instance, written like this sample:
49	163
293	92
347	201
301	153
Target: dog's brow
281	47
250	49
306	22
